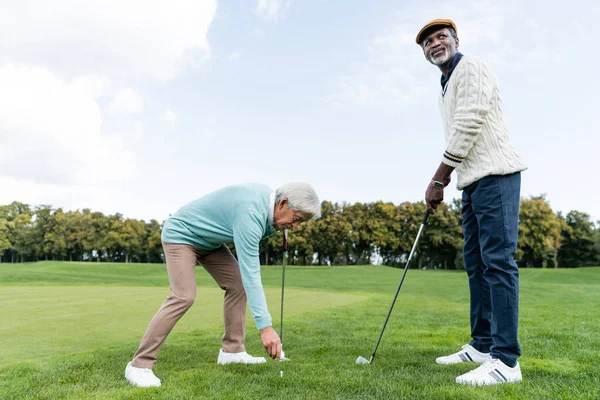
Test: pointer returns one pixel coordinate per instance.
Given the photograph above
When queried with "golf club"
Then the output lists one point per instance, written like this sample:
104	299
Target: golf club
361	359
283	254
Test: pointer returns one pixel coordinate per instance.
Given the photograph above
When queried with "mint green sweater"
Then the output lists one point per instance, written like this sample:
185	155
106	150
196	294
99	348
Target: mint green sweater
238	214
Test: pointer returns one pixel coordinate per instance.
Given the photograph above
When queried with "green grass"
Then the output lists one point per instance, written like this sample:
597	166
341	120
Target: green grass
68	329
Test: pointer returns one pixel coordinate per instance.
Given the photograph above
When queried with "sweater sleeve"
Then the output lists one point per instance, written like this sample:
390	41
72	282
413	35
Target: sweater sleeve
473	98
247	232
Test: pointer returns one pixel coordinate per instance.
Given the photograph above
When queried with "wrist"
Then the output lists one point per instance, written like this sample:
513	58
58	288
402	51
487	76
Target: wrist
437	184
267	329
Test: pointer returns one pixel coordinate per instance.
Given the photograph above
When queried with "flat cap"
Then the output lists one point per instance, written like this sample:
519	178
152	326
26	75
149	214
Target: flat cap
435	22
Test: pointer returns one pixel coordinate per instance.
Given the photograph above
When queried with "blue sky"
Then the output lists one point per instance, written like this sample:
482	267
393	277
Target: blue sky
139	107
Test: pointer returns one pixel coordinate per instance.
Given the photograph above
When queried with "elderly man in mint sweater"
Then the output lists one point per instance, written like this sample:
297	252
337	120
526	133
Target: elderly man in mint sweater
489	174
198	233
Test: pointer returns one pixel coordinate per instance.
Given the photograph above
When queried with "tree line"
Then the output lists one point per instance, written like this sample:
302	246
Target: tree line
346	234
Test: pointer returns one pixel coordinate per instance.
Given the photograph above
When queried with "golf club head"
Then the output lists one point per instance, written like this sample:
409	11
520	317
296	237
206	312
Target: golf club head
362	360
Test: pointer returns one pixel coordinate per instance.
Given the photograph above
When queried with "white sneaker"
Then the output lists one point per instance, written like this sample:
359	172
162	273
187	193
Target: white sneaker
492	372
142	377
467	354
238	358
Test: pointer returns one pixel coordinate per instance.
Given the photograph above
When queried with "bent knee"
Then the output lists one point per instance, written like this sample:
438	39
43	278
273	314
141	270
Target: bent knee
188	301
235	287
184	301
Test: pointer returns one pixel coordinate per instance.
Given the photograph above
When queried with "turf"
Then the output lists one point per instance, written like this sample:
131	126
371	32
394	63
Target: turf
68	329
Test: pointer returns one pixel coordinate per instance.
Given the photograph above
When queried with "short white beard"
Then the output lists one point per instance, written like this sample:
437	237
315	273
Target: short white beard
441	59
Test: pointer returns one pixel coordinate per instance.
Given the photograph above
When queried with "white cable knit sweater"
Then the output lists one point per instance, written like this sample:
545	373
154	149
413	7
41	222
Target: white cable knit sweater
476	138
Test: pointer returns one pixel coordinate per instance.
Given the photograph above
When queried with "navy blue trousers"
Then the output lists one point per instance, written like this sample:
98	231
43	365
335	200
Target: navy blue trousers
490	211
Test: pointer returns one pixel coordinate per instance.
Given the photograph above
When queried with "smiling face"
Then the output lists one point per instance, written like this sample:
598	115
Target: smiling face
439	46
286	218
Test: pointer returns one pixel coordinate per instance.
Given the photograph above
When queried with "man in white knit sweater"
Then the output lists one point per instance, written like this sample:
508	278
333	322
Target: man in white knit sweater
489	174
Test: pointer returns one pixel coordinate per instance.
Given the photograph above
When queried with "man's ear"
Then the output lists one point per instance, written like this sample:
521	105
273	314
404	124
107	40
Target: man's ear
282	203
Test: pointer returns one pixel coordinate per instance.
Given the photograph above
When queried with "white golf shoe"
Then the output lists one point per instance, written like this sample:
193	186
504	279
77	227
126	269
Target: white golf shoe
142	377
492	372
238	358
467	354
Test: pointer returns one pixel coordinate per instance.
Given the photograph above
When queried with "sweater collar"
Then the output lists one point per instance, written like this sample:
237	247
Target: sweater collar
455	60
271	208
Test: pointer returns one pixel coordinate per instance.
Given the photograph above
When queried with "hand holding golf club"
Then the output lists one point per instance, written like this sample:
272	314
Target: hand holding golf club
434	195
271	342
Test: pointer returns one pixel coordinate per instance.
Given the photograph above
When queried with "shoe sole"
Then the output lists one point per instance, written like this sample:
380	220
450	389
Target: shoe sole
140	386
240	362
488	384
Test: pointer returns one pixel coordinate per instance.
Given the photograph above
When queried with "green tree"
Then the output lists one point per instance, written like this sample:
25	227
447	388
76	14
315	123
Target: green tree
539	233
360	237
442	237
114	240
132	236
330	234
42	225
23	238
74	229
16	215
85	230
56	237
597	238
5	243
97	236
386	232
579	241
153	243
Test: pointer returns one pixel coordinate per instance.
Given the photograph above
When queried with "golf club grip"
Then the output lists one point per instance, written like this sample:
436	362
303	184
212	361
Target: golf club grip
425	217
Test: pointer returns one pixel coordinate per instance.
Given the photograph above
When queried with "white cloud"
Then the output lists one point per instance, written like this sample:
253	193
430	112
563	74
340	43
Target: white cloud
138	130
56	60
169	116
395	70
532	22
234	56
126	101
121	39
272	10
50	130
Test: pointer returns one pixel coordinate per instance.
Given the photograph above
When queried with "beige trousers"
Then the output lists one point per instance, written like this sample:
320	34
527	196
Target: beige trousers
181	260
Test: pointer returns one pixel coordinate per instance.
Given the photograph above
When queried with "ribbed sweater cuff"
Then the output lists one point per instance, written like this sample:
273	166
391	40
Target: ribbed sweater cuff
263	322
452	160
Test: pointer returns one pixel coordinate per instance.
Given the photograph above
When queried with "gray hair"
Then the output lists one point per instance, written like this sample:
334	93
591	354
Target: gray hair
452	32
301	197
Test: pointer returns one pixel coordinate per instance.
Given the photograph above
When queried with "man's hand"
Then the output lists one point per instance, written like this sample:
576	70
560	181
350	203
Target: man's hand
271	342
433	197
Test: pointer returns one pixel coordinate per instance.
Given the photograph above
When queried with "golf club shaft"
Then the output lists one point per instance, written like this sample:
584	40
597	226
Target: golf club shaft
283	253
400	285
